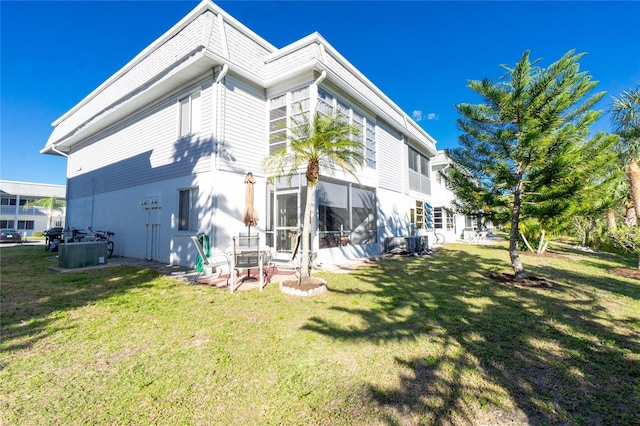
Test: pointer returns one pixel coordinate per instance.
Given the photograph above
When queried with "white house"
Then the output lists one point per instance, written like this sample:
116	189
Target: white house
13	213
159	151
446	219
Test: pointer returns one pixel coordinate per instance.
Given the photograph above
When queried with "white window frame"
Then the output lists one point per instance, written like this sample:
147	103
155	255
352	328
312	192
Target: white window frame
188	214
190	114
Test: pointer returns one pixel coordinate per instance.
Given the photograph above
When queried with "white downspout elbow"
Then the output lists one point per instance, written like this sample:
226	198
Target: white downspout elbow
57	151
323	75
223	72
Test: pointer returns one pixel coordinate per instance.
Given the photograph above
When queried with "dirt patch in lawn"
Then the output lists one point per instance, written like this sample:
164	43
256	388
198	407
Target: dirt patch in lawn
530	281
626	272
545	254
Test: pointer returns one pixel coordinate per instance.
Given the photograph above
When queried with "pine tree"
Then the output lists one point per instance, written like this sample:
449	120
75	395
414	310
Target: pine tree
520	148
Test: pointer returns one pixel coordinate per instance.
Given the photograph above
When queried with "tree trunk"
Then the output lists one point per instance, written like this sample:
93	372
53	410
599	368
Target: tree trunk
305	266
634	181
541	244
611	220
630	213
518	269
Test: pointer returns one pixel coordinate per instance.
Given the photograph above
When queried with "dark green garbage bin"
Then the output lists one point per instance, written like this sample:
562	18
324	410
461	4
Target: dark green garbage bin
79	255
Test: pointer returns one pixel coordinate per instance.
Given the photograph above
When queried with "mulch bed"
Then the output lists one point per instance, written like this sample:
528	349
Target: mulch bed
305	284
530	281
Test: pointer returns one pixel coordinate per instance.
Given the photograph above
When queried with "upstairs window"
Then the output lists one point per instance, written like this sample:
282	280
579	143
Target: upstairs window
327	104
190	114
418	172
278	123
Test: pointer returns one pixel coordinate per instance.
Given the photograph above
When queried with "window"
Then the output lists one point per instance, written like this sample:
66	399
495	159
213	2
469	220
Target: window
370	144
190	114
6	224
450	220
422	216
438	217
25	224
327	103
278	123
187	210
418	172
346	214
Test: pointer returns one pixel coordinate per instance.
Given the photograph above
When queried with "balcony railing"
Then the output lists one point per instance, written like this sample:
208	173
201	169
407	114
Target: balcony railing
33	211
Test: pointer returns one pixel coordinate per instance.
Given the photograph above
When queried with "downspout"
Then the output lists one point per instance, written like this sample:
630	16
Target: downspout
216	151
66	190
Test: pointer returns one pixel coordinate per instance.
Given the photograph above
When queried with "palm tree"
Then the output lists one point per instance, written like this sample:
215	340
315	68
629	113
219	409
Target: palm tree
325	141
626	119
52	204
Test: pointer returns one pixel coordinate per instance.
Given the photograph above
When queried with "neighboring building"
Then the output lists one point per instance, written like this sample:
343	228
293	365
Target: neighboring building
159	151
446	219
13	214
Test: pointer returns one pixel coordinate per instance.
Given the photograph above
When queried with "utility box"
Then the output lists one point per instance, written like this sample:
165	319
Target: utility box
79	255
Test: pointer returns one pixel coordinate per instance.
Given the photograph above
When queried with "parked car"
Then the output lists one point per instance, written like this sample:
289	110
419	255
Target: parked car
53	237
10	236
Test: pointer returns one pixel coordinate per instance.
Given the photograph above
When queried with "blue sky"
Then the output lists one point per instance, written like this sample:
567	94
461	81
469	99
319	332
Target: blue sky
419	53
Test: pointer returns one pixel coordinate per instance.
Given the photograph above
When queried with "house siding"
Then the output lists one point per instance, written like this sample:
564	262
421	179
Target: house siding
284	64
165	57
142	150
245	130
389	150
245	52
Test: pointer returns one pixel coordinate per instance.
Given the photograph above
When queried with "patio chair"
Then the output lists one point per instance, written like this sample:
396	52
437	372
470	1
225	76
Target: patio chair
247	255
288	259
215	261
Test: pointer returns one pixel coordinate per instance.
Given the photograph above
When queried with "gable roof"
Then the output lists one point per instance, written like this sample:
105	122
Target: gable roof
202	42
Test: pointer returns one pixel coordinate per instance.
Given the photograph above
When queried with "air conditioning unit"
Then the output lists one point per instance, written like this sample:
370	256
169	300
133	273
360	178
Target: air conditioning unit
79	255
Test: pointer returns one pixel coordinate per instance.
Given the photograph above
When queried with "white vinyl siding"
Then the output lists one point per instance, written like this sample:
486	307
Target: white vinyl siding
391	158
141	150
242	118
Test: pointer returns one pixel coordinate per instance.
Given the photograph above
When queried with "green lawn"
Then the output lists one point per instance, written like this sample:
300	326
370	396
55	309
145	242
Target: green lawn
403	341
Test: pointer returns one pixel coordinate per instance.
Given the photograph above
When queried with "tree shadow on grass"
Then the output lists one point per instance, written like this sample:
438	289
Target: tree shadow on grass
549	351
34	298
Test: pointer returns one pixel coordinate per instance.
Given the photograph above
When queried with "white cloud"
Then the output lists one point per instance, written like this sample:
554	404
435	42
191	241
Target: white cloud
418	115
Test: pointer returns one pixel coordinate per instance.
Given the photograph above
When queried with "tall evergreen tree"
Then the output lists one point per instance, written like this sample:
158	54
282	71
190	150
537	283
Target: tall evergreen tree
521	145
324	141
626	119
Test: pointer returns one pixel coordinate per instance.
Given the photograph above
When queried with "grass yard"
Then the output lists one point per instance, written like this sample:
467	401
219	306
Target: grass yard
403	341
